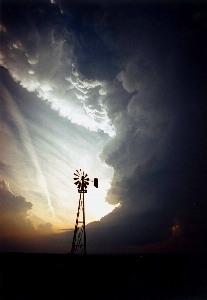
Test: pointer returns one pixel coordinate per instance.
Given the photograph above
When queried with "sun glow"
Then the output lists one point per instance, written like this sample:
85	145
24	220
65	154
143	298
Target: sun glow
65	196
96	206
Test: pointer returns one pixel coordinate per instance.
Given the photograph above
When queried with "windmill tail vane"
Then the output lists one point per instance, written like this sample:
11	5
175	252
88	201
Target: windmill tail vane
79	237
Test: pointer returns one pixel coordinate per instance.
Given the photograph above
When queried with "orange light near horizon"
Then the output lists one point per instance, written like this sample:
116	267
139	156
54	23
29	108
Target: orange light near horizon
176	230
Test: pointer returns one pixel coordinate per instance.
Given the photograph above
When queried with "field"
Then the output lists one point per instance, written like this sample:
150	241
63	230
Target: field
55	276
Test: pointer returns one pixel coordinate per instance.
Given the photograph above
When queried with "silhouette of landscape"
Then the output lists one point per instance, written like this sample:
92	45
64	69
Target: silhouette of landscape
66	276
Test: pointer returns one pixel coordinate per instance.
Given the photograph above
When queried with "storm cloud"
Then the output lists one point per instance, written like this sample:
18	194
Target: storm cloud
159	148
136	72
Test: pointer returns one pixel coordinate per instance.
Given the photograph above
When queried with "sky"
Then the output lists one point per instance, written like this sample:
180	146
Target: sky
117	89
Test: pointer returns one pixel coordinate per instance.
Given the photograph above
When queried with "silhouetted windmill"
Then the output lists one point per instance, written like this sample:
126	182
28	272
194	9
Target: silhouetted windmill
79	236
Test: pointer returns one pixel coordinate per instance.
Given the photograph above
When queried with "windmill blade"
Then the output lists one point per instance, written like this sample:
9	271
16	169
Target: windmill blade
81	180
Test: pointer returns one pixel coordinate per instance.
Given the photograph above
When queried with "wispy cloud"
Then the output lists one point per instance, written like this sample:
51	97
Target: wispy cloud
26	141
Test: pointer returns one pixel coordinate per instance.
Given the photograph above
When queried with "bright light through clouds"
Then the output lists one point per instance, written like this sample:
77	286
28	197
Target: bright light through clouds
57	148
45	158
96	206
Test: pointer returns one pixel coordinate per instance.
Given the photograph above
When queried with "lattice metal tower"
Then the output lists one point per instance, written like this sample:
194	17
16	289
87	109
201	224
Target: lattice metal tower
79	236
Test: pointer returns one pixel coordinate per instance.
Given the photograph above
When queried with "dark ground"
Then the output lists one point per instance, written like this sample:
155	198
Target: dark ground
53	276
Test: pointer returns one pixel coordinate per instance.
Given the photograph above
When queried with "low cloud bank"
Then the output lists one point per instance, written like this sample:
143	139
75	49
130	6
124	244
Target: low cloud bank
17	230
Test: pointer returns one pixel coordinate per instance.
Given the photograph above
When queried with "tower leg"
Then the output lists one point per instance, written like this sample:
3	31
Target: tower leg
79	236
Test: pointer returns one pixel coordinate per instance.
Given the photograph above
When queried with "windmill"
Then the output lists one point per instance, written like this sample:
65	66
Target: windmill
79	237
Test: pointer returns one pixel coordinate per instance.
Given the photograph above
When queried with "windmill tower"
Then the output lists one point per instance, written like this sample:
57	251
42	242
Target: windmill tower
79	236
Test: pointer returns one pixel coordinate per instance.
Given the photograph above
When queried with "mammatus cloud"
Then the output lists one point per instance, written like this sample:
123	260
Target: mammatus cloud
43	61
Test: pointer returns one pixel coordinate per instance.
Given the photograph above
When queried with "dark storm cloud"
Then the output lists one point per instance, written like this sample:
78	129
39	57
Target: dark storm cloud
158	153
